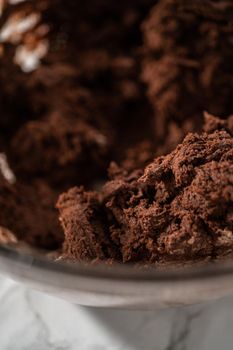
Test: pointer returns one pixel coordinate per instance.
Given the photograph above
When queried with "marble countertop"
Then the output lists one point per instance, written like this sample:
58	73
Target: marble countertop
30	320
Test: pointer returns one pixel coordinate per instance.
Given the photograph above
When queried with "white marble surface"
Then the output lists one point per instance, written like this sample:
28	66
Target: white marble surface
33	321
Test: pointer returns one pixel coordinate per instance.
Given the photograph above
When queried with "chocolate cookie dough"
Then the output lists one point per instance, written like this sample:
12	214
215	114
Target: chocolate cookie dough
179	208
61	149
187	65
27	210
103	115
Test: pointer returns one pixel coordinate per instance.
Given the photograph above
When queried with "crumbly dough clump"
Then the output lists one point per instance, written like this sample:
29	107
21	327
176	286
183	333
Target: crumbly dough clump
180	207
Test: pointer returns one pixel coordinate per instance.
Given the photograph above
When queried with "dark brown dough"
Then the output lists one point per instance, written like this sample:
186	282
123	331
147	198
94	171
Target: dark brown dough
187	65
180	207
28	211
61	149
115	85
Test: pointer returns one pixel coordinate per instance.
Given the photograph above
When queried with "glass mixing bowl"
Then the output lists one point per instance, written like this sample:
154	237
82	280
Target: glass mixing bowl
99	285
118	286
